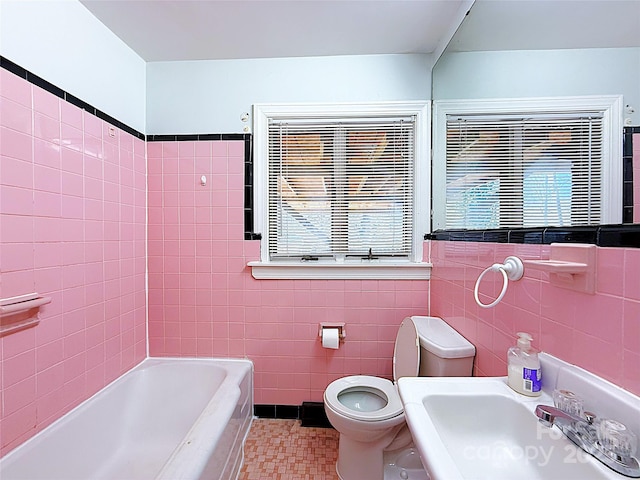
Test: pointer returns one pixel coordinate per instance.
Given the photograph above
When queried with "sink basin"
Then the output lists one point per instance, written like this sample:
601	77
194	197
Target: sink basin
478	428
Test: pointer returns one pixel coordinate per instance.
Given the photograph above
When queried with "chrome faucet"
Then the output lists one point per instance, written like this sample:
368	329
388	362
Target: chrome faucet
550	416
591	438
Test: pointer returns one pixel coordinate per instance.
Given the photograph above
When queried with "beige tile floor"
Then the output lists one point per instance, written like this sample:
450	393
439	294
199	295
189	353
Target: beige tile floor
284	450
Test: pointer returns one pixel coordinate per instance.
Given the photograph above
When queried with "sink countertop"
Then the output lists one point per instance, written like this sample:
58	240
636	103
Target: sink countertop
477	427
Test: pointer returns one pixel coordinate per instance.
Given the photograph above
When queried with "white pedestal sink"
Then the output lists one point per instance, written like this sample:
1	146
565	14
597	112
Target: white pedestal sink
479	428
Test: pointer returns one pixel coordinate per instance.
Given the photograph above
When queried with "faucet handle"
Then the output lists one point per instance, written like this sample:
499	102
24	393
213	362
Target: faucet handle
615	437
590	417
568	402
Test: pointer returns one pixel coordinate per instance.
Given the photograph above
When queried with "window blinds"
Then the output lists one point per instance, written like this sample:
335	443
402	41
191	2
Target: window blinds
341	187
523	170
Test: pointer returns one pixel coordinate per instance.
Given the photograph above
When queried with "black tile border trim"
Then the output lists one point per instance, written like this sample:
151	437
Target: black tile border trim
624	235
66	96
627	173
277	411
199	137
249	234
311	414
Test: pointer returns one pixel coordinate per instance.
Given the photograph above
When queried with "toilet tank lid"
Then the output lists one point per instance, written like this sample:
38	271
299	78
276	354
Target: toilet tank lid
441	339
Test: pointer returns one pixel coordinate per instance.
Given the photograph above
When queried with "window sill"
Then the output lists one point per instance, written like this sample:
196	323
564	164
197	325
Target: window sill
339	271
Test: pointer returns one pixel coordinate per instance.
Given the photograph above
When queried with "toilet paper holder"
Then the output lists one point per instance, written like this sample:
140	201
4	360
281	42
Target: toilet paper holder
342	331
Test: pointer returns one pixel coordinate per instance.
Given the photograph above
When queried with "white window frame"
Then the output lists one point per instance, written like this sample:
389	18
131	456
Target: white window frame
413	268
609	105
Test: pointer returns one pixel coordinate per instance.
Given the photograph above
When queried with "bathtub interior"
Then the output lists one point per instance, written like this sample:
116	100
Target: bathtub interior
166	418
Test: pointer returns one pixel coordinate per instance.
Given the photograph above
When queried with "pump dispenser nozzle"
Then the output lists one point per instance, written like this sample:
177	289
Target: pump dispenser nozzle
524	341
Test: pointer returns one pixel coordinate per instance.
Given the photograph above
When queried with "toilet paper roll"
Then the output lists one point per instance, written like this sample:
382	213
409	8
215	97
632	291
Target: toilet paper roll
330	338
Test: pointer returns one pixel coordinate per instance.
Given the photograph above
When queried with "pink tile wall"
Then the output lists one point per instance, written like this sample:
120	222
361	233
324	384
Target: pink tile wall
72	226
636	177
599	332
203	300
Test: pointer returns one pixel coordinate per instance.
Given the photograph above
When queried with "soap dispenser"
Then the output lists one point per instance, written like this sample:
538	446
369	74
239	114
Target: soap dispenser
523	367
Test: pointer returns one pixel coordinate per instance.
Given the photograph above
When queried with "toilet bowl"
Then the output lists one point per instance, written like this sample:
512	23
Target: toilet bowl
363	407
367	411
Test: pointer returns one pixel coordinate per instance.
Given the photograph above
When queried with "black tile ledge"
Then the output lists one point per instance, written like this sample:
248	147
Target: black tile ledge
572	235
625	235
619	236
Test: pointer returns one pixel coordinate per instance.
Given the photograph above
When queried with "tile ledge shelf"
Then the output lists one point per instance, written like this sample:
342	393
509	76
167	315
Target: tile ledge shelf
339	271
556	266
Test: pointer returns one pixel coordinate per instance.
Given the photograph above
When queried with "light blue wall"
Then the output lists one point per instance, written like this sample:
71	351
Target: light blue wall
62	42
210	96
540	73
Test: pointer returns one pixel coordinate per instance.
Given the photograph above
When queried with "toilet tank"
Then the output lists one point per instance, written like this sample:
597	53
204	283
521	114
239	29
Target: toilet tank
443	351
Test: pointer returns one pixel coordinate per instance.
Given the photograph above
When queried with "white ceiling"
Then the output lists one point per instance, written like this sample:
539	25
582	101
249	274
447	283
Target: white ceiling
169	30
546	24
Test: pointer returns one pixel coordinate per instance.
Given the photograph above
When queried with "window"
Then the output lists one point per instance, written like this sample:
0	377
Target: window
341	190
527	163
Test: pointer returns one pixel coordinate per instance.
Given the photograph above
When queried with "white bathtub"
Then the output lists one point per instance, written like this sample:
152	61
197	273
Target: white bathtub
168	418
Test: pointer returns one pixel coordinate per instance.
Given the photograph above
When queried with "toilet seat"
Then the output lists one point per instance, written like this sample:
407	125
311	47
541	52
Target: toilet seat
374	399
364	386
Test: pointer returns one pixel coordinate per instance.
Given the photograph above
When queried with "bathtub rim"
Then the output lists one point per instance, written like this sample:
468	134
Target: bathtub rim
139	366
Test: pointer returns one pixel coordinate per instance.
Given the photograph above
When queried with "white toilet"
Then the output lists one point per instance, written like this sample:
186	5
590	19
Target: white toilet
367	411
